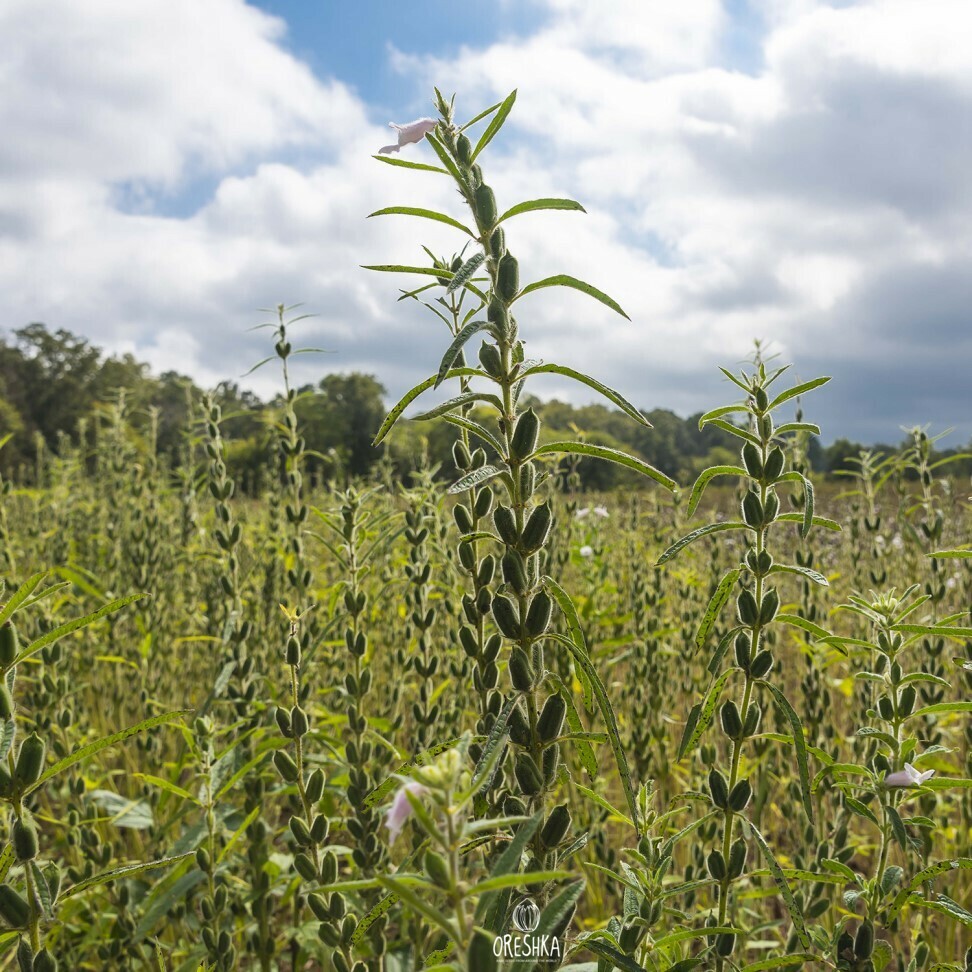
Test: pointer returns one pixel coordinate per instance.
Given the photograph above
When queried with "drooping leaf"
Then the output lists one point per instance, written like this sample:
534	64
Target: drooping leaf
782	885
465	272
609	393
611	455
405	164
533	205
715	606
704	531
704	479
455	348
705	713
563	280
799	744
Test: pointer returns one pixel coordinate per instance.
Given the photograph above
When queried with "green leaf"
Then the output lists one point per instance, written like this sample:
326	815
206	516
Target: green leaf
716	604
65	629
609	393
719	412
617	958
707	710
480	116
462	422
495	124
611	455
446	159
799	744
807	508
562	280
735	430
788	427
126	871
934	630
603	702
552	916
704	478
424	214
808	572
534	204
680	545
465	272
396	413
795	621
22	593
466	398
417	904
509	861
585	751
940	708
955	554
897	827
502	881
104	743
817	521
923	877
405	164
474	478
795	391
603	803
779	879
455	349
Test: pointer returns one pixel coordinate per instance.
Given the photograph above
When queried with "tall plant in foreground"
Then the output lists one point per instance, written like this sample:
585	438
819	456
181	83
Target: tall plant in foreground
511	454
762	469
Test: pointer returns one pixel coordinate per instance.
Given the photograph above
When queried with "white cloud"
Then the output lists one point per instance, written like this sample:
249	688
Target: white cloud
722	206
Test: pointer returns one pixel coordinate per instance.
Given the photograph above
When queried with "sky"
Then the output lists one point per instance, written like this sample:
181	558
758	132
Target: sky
796	171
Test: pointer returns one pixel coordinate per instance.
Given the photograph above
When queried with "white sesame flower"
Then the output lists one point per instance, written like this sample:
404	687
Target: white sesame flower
412	132
879	540
897	542
401	808
601	511
582	512
909	776
586	551
951	583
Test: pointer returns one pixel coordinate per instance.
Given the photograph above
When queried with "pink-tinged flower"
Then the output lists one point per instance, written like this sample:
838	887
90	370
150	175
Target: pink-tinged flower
909	776
412	132
401	808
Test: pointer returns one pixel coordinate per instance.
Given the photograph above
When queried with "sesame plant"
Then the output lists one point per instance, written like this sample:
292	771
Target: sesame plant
751	661
509	453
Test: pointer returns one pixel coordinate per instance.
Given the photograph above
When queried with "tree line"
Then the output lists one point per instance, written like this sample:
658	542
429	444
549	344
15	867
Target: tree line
56	386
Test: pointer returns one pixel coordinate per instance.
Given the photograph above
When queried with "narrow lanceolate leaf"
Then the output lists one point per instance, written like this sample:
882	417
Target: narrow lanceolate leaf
923	877
940	708
534	204
795	621
465	272
719	412
611	455
807	508
934	630
466	398
817	521
705	712
562	280
455	349
474	478
495	123
609	393
405	164
735	430
509	861
550	918
424	214
610	721
716	604
396	413
797	390
897	826
480	116
787	427
420	906
65	629
463	422
617	958
799	744
779	878
704	479
126	871
679	545
808	572
6	860
954	554
22	593
105	743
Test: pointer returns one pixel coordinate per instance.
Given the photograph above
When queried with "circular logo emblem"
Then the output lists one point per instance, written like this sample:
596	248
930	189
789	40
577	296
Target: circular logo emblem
526	916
